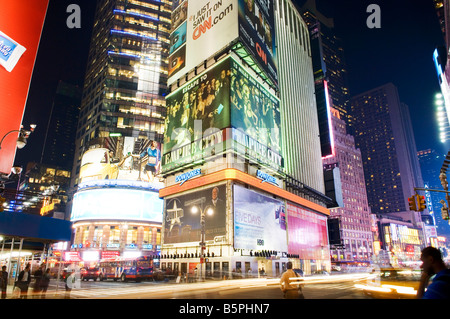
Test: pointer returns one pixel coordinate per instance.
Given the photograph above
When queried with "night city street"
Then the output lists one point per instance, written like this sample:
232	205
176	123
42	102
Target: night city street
237	152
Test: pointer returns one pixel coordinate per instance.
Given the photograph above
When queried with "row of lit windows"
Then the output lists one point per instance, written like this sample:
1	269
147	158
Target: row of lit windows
100	235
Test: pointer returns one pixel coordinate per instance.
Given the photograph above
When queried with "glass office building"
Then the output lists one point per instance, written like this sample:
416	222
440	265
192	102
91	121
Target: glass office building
126	75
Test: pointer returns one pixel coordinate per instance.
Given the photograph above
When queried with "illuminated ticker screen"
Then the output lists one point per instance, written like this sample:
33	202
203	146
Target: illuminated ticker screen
117	204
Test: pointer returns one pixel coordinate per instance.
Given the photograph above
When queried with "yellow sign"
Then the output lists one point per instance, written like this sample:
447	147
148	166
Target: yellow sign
45	209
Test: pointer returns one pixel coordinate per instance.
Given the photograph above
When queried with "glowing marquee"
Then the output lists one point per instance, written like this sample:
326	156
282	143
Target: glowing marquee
117	204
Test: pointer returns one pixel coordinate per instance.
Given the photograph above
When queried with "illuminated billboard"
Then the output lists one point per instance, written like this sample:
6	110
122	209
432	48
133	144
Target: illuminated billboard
212	25
117	204
121	158
307	233
199	107
259	221
257	33
223	107
183	213
20	31
254	110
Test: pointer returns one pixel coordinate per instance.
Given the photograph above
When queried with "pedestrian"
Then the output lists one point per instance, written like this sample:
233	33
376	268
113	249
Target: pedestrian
23	281
37	283
432	264
3	281
290	291
45	281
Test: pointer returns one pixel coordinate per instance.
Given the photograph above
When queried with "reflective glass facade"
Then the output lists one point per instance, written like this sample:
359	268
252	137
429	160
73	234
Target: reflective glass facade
126	75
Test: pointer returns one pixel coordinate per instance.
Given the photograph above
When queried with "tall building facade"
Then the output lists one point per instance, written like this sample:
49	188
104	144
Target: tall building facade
353	215
300	129
328	60
241	154
62	127
126	76
120	130
383	133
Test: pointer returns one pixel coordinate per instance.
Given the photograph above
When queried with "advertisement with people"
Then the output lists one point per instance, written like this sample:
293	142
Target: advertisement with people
307	233
259	221
225	96
122	158
198	109
183	214
254	110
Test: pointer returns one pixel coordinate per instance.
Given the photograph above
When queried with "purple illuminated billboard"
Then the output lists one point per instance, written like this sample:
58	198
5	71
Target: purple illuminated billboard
307	233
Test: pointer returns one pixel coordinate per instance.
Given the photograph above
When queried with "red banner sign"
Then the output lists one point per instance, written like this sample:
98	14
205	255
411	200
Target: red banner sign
21	23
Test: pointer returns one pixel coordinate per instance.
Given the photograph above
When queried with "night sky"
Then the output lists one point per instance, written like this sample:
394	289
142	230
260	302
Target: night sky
399	52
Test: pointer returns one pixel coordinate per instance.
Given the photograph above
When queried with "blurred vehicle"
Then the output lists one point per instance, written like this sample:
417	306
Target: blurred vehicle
392	283
136	269
97	164
91	273
320	272
335	268
65	273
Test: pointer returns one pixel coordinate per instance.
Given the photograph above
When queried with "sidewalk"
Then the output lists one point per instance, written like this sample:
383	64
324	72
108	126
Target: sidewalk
51	293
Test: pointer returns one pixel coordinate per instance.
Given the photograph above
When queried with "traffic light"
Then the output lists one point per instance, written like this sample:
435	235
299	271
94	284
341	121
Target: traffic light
421	203
2	200
444	213
412	203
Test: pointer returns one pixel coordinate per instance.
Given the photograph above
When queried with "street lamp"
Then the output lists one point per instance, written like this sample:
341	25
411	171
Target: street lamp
23	136
197	206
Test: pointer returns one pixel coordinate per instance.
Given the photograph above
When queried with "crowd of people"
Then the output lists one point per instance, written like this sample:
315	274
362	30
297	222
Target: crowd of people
23	283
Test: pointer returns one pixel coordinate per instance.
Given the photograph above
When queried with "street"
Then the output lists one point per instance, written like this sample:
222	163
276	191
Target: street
257	288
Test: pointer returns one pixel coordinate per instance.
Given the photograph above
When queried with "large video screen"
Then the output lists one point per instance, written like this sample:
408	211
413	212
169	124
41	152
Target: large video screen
122	158
259	221
307	233
183	215
254	110
199	107
223	97
117	204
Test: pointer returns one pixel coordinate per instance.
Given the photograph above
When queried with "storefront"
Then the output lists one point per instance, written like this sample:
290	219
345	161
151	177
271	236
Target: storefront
251	227
116	219
403	242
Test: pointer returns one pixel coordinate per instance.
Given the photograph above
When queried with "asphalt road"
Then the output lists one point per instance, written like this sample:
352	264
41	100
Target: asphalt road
229	289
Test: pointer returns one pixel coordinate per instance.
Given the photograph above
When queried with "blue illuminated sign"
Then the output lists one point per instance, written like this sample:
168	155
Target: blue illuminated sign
187	176
266	178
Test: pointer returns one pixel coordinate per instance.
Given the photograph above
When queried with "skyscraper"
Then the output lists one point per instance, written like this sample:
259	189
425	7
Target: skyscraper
126	76
300	129
328	61
59	140
241	154
354	212
383	132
